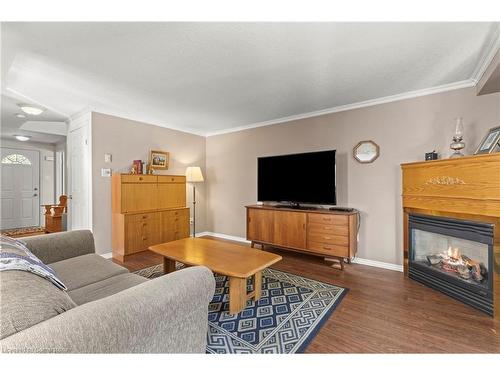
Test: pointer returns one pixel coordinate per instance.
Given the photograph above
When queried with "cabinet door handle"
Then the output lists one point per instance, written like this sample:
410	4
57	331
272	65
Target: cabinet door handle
144	238
304	226
327	248
144	217
140	178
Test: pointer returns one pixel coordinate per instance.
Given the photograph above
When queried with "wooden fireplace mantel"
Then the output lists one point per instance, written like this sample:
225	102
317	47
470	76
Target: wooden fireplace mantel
464	188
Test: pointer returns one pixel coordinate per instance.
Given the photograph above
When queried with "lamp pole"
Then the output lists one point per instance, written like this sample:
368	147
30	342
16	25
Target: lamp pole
194	210
194	175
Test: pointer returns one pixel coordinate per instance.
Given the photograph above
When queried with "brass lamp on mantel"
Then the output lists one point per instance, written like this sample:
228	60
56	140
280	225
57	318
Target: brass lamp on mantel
194	175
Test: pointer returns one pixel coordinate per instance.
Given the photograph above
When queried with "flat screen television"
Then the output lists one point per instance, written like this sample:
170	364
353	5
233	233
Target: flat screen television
297	178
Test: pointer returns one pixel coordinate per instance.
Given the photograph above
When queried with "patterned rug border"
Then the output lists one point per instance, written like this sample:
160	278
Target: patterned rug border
151	270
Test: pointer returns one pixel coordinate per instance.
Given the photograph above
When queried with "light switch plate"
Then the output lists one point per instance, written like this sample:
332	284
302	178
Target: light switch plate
107	158
105	172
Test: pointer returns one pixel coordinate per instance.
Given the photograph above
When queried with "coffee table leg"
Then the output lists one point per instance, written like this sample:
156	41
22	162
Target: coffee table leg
168	265
237	294
257	285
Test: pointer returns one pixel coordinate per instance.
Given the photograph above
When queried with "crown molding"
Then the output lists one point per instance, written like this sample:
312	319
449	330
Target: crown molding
347	107
486	59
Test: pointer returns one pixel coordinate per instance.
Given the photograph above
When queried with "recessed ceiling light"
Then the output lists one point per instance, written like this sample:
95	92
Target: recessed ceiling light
22	138
20	115
30	110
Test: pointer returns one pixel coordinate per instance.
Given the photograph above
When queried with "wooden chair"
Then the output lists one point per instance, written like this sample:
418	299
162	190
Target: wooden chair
54	215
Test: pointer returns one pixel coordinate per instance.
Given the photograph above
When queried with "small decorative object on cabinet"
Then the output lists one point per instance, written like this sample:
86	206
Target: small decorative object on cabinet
147	210
159	159
458	143
366	152
431	155
322	232
489	142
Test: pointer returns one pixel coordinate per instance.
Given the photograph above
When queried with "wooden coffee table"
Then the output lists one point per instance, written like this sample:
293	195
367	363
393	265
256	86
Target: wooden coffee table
235	261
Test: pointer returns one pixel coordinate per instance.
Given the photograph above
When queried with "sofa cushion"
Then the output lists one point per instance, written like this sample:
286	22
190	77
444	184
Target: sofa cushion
105	288
86	269
28	299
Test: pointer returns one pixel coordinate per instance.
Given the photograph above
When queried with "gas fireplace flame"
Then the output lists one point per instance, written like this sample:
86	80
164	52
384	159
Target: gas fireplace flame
454	254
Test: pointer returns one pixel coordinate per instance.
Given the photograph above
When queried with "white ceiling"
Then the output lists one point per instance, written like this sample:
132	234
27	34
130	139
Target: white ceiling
49	123
209	77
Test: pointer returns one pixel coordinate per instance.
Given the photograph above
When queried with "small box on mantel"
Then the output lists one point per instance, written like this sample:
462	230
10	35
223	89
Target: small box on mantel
431	155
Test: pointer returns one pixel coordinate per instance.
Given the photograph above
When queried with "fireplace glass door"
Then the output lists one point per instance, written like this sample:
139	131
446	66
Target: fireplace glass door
463	259
453	256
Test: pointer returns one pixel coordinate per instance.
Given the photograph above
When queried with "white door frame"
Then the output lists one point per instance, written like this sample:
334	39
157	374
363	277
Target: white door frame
80	120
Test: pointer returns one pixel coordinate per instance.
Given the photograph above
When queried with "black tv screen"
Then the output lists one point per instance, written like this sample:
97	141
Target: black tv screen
297	178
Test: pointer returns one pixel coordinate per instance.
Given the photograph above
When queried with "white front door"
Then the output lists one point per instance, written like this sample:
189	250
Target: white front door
20	189
78	177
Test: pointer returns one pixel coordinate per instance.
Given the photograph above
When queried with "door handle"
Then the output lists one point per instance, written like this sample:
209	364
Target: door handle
35	189
35	195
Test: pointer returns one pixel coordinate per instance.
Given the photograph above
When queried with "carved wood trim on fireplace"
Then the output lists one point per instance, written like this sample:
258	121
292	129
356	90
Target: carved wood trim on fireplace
463	188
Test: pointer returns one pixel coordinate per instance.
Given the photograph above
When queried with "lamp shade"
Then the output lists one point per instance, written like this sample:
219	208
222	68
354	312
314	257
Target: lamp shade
193	174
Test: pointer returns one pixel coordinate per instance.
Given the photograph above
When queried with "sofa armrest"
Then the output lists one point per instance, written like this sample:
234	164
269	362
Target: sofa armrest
51	248
165	315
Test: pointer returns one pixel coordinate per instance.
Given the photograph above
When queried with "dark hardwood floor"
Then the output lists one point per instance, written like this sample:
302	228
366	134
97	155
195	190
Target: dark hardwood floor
383	312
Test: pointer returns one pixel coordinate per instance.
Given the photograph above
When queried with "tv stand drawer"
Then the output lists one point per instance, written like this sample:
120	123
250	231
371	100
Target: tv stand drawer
328	249
328	239
336	230
327	219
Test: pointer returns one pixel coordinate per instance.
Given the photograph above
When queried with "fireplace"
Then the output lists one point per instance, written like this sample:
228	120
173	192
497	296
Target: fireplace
453	256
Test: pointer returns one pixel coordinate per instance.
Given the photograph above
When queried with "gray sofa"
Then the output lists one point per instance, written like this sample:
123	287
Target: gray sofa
114	311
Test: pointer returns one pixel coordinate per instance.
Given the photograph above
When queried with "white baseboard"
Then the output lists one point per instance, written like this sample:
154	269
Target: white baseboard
224	236
365	262
107	255
376	263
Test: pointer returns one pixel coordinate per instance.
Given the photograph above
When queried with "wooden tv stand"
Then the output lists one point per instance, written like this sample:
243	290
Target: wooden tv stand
330	234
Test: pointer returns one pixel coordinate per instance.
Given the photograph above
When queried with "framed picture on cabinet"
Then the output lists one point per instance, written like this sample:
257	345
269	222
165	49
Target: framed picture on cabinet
489	142
159	159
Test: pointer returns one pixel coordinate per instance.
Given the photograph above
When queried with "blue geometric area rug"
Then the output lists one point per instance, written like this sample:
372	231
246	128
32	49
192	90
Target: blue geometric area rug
285	319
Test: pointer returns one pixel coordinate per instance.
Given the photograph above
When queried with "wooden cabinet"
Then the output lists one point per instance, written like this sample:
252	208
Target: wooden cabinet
139	197
290	229
260	225
171	194
147	210
174	224
141	231
319	232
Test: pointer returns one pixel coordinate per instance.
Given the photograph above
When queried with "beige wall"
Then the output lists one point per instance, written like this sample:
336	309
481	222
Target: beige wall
404	130
127	140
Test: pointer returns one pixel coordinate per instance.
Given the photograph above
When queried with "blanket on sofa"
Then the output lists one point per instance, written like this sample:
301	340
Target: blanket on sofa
14	255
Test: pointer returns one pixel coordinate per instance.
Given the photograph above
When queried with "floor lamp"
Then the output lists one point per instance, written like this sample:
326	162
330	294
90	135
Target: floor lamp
194	175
